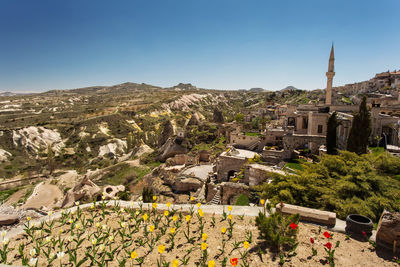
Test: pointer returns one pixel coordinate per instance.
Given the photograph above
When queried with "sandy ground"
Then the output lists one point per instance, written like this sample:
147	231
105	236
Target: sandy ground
14	198
349	253
43	195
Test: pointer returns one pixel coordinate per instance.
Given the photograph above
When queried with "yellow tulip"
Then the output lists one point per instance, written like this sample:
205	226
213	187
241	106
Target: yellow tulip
154	198
262	201
230	217
168	204
134	254
211	263
172	230
188	217
201	213
223	230
145	216
204	236
175	263
246	244
230	208
161	249
198	205
174	218
154	205
166	213
151	228
28	218
204	246
191	198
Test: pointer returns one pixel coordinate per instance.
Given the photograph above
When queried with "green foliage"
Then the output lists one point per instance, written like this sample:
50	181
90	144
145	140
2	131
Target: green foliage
147	195
275	230
252	134
331	135
295	164
344	183
360	130
242	200
7	193
124	174
239	117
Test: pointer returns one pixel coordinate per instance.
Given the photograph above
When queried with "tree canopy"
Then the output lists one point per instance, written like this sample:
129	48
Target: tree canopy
345	183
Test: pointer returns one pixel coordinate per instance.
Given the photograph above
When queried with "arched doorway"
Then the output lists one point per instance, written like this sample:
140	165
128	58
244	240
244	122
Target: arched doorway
231	174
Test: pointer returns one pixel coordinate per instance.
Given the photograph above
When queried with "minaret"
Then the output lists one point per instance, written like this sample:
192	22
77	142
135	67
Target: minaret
329	75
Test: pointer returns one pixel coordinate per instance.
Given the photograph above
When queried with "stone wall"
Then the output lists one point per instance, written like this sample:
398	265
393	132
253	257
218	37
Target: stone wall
256	174
226	164
291	142
231	191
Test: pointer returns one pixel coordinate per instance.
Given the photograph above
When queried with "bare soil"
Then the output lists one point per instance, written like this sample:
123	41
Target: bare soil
349	253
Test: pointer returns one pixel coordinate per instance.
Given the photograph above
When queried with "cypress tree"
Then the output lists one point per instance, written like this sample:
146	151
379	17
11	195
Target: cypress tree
331	136
360	130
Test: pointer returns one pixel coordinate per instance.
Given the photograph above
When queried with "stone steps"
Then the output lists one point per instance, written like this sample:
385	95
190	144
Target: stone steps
216	199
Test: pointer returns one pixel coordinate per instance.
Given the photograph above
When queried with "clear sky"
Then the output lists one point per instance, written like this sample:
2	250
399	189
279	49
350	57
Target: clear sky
224	44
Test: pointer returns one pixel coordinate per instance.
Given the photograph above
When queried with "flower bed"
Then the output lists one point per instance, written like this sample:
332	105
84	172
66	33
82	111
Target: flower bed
116	236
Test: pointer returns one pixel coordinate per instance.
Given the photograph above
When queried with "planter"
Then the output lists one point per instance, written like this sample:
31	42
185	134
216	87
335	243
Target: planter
357	225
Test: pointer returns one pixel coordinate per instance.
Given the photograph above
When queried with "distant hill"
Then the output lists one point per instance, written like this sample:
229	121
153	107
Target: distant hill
9	94
289	88
257	90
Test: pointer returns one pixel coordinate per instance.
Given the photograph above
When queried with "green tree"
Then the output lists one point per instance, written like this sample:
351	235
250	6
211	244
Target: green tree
239	117
331	136
360	130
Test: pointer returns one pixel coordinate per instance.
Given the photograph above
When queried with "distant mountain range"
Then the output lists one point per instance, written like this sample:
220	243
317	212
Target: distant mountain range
10	94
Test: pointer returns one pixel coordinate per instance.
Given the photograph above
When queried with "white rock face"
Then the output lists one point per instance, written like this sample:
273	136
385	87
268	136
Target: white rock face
4	155
34	138
143	149
116	147
184	102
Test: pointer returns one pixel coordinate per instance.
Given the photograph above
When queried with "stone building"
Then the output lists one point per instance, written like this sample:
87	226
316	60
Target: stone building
230	162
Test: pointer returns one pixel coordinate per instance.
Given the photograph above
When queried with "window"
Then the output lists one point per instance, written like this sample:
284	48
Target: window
319	128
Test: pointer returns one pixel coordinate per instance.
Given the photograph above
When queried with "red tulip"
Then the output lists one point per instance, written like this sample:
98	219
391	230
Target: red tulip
328	245
327	235
312	240
234	261
293	226
364	234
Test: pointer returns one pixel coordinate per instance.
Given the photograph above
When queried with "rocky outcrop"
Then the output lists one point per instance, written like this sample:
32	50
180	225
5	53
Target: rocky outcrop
143	149
170	149
85	189
194	120
110	191
8	219
186	185
4	155
218	116
388	229
38	138
113	149
168	131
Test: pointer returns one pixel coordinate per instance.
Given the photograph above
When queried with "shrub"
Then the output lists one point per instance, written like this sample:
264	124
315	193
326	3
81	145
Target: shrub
278	231
147	195
242	200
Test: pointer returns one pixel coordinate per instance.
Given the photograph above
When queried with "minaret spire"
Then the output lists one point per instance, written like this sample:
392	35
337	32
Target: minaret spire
329	75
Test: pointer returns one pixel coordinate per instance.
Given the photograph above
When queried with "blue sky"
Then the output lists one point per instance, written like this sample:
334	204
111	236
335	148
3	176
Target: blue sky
224	44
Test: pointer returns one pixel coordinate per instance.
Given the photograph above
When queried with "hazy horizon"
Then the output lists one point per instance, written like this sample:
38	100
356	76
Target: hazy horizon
213	45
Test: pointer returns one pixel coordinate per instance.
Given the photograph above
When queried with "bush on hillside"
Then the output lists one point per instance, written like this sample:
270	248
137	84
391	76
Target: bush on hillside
345	183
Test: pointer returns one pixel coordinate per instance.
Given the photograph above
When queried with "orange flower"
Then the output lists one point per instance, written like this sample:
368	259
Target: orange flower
234	261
